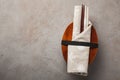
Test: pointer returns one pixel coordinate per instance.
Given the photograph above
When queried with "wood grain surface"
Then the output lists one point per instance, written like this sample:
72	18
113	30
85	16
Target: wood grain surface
68	36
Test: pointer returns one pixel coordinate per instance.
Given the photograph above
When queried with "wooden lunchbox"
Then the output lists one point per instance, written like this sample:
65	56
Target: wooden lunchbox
68	36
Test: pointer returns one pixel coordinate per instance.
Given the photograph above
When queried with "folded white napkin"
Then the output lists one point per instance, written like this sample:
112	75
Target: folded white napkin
78	56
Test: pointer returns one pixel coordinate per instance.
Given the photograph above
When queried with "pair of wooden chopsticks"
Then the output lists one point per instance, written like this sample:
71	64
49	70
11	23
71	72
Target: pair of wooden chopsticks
84	14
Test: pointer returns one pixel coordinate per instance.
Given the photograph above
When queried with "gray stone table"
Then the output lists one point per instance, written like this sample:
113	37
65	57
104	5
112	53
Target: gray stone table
31	32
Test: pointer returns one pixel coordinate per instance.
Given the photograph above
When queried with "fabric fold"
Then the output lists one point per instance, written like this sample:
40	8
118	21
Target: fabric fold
78	56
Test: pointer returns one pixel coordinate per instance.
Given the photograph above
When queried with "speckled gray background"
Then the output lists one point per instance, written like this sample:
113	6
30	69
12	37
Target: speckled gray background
30	38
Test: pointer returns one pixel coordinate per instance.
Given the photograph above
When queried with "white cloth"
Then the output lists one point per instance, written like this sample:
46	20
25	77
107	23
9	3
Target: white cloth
78	56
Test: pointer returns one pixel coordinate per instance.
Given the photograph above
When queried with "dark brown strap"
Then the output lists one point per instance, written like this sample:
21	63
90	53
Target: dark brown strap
76	43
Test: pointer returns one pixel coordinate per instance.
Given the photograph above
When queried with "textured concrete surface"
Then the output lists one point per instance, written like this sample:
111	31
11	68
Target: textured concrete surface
31	31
